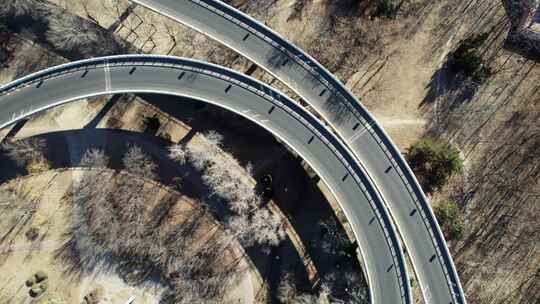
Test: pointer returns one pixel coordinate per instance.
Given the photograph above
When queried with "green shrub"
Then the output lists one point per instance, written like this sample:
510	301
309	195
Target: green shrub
450	219
467	61
434	163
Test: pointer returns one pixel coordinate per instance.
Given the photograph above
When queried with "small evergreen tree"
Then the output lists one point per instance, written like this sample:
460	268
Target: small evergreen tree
467	61
434	163
450	219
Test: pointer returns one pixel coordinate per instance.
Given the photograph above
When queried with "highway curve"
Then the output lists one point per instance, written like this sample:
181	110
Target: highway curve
380	249
395	182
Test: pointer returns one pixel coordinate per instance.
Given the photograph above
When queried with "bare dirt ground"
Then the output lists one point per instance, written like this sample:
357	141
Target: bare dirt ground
21	258
104	12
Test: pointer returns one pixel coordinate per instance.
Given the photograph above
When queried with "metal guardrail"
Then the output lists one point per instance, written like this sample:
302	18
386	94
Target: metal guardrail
307	119
366	119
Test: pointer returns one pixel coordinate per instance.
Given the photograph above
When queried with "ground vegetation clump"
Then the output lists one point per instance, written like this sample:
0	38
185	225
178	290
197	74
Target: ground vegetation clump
450	219
467	60
434	163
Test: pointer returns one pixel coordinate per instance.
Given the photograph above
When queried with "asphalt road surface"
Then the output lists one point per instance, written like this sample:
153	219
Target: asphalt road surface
380	249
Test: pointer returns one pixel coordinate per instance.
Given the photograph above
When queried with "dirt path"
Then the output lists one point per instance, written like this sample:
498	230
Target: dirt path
391	122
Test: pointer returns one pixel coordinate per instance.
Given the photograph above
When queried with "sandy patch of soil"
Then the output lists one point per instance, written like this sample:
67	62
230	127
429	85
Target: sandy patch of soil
70	116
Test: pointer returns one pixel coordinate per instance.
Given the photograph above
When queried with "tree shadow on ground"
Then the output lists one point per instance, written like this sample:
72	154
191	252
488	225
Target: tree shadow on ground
502	196
447	82
497	132
35	26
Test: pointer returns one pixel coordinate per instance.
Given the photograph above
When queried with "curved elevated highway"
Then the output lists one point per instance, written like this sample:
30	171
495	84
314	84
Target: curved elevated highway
369	143
380	249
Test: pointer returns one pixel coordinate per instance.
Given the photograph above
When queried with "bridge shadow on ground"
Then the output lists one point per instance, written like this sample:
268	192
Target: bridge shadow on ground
295	192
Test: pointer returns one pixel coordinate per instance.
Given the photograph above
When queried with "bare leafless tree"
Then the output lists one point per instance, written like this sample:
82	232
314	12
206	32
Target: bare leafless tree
267	227
287	291
68	32
201	155
306	299
138	163
15	8
202	277
110	218
178	153
257	227
345	288
334	240
131	202
22	151
213	138
94	158
224	175
288	294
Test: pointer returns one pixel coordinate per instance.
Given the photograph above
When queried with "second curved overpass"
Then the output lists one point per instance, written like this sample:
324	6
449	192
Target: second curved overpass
397	185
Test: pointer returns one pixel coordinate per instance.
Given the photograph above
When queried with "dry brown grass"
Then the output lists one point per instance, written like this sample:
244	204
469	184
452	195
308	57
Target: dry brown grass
496	126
